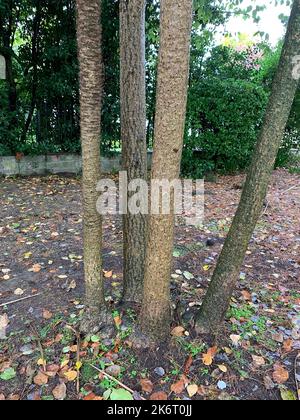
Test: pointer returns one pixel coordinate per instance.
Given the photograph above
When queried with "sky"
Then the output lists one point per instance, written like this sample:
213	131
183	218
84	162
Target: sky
269	23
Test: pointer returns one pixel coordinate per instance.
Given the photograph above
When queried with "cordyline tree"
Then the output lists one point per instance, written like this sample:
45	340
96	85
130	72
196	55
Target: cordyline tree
172	84
133	135
91	82
225	277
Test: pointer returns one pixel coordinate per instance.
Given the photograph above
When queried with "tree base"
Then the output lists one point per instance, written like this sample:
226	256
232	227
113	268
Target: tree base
202	327
141	341
100	321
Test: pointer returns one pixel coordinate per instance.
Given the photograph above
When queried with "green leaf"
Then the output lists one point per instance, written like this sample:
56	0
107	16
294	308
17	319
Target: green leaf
8	374
95	339
287	395
121	395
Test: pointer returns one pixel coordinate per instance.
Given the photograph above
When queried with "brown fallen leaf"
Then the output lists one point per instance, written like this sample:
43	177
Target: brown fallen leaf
2	397
47	314
178	332
147	385
178	387
108	274
188	364
288	345
41	379
208	357
60	392
36	268
118	321
159	396
280	374
246	295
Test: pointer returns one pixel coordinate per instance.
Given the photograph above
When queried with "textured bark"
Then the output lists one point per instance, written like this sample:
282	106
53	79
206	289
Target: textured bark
173	71
91	82
229	265
133	134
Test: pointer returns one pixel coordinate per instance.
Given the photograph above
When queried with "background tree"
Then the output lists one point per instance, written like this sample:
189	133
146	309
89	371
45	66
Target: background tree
172	84
91	85
285	85
133	138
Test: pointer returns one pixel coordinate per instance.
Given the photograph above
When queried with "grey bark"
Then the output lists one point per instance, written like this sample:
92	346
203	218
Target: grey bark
133	134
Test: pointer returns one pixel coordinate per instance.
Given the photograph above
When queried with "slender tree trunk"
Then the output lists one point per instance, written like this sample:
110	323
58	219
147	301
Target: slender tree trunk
133	134
224	280
91	83
34	61
173	72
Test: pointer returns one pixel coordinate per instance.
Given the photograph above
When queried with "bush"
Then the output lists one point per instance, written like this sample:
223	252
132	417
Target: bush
224	118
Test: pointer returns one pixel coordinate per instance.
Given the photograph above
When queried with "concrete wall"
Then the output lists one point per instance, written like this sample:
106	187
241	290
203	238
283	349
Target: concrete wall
54	164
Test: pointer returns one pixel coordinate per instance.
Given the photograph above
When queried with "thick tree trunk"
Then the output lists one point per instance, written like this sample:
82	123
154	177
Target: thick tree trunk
229	265
133	134
91	82
173	72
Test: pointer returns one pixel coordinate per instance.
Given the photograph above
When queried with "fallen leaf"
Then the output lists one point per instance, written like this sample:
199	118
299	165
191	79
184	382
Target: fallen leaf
47	314
246	295
36	268
178	332
223	368
192	390
287	395
60	392
178	387
258	361
19	292
41	379
118	321
147	385
71	375
288	345
235	339
280	374
159	396
4	321
208	357
108	274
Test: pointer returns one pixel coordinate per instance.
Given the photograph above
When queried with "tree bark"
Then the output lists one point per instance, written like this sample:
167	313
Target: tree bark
91	83
133	135
173	72
217	299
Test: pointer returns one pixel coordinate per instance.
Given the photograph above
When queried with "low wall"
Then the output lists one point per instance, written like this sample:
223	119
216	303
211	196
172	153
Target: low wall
55	164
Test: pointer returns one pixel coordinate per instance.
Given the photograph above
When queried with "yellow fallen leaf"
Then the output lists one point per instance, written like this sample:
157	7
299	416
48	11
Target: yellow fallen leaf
223	368
71	375
78	365
41	362
192	390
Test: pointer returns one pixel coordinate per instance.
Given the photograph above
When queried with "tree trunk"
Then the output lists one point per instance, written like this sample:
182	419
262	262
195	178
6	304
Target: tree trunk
173	72
34	61
133	135
217	299
91	82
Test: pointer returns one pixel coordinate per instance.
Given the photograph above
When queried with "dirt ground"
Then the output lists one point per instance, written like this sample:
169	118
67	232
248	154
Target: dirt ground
41	356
